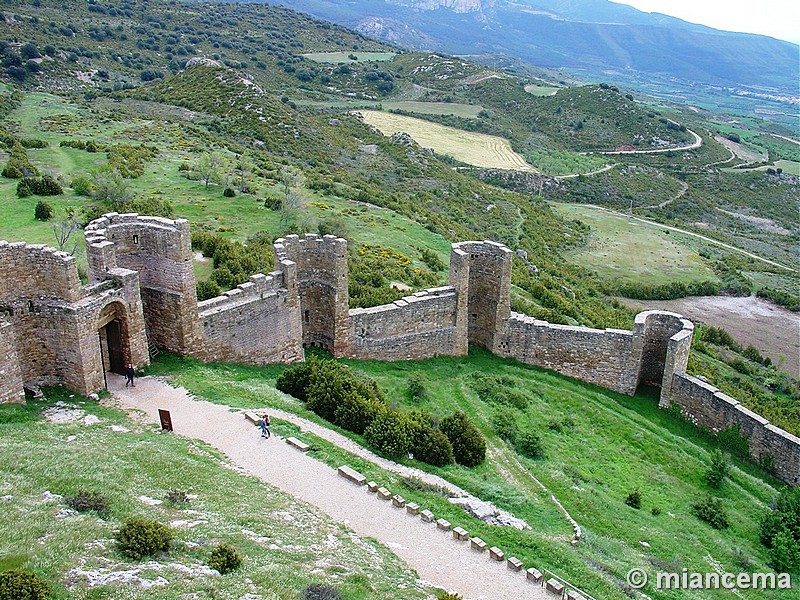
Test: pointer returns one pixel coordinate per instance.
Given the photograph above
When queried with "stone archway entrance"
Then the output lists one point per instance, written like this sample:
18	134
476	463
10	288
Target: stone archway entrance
114	338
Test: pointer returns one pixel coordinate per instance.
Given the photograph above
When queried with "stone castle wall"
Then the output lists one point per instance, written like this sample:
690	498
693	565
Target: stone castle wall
141	268
160	250
10	375
706	406
258	322
322	286
419	326
52	337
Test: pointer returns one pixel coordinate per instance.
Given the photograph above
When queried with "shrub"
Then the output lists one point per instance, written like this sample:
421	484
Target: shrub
780	530
634	499
356	413
43	211
294	380
321	591
711	510
139	537
530	444
655	511
469	445
449	596
44	186
390	433
225	558
229	192
432	446
505	426
24	189
208	289
177	498
718	469
89	501
416	389
17	584
81	185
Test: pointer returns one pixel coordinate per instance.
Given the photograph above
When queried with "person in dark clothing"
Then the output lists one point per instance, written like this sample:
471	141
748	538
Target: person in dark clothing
129	375
264	423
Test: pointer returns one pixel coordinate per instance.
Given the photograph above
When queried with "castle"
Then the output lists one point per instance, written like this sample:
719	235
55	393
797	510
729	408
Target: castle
141	295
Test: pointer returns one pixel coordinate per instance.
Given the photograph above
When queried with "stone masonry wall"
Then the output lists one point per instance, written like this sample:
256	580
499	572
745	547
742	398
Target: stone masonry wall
256	323
489	291
605	357
322	286
706	406
160	251
55	331
656	328
415	327
10	375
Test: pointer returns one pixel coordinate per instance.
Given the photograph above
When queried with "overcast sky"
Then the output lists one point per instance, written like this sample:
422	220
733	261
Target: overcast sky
775	18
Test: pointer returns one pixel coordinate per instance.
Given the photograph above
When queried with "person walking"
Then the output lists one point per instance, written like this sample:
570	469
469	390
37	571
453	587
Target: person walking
129	373
265	432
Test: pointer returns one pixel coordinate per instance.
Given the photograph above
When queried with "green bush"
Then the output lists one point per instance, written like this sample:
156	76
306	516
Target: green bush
711	510
530	444
39	186
655	511
294	380
320	591
81	185
718	469
469	445
89	501
139	537
416	389
431	446
224	558
355	413
780	531
208	289
177	498
634	499
449	596
390	433
17	584
43	211
229	192
505	425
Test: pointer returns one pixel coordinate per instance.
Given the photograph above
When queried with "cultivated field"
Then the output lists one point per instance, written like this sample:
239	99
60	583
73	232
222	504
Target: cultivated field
344	57
632	251
472	148
541	90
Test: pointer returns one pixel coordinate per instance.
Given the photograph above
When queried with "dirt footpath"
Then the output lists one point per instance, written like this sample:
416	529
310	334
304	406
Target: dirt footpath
433	554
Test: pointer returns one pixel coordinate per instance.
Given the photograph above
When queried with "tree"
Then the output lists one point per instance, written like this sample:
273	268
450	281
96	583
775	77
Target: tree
63	229
289	180
469	445
209	167
43	211
718	469
110	185
244	171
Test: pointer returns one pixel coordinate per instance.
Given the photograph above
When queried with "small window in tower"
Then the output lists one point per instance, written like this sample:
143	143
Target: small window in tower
306	315
135	239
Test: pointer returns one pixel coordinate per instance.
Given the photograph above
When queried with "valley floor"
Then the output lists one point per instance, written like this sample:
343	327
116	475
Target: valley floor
434	554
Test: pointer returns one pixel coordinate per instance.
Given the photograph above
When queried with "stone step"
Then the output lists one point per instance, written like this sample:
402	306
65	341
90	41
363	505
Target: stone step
351	474
302	446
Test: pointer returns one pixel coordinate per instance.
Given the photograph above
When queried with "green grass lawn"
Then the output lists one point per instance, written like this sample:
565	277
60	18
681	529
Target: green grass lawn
541	90
281	556
624	250
344	57
615	444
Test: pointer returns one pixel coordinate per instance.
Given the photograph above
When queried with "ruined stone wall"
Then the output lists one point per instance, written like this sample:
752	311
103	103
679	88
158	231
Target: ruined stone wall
419	326
257	323
489	291
10	375
322	286
605	357
707	407
160	250
656	328
55	331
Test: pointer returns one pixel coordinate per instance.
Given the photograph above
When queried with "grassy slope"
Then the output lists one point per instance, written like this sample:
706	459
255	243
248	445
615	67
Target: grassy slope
617	443
632	251
123	466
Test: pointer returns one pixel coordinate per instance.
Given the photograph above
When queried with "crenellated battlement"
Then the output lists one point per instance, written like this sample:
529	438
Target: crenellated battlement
37	270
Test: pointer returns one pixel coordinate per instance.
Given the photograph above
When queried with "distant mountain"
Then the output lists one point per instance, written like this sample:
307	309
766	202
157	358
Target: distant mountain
592	35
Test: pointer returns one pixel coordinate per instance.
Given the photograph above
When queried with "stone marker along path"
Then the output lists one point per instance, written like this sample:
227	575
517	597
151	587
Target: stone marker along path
432	553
